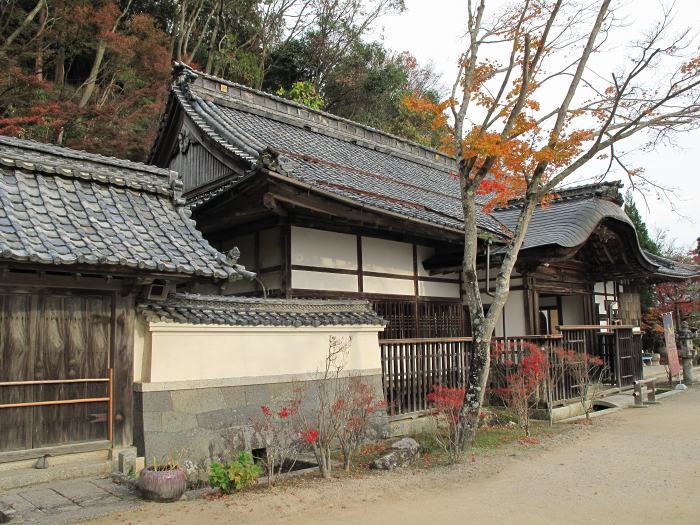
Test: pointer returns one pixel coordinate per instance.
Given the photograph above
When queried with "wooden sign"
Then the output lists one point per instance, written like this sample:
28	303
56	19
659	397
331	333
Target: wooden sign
671	349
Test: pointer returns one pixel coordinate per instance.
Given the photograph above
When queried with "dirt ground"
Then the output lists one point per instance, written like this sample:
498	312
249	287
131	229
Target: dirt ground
634	466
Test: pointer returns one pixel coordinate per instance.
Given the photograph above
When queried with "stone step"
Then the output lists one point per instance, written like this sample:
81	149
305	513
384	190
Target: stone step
58	459
26	476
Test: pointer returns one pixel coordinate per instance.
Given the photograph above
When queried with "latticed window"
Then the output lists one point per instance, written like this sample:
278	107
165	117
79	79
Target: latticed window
410	319
401	316
441	320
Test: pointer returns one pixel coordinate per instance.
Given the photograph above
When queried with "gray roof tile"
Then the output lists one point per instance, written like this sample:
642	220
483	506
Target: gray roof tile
63	207
334	155
572	216
246	311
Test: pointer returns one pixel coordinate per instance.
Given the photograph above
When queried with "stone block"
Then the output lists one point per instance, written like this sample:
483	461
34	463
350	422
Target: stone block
155	401
127	460
177	421
257	395
234	396
402	453
152	422
221	419
194	445
280	392
81	492
13	503
198	400
47	499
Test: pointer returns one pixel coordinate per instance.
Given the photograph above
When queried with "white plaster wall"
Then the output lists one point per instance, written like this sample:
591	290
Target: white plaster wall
324	249
338	282
331	250
381	255
516	279
438	289
423	253
572	309
384	285
514	310
180	352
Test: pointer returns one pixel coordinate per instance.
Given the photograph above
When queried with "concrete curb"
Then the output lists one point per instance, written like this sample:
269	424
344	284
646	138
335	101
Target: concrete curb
595	414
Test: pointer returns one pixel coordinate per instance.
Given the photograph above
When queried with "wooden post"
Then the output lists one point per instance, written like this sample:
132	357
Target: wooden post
617	360
110	415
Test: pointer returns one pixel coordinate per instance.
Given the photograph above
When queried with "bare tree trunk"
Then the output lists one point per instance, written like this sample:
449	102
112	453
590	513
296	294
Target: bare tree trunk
27	20
60	71
180	31
202	32
91	81
190	27
39	56
212	39
483	326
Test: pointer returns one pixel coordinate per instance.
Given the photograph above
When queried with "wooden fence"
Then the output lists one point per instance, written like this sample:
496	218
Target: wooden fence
412	367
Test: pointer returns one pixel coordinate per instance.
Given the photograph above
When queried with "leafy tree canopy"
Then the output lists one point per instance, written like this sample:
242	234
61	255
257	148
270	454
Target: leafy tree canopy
94	74
645	240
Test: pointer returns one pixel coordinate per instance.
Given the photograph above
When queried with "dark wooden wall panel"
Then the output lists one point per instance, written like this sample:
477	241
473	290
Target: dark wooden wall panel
123	363
16	312
198	167
54	335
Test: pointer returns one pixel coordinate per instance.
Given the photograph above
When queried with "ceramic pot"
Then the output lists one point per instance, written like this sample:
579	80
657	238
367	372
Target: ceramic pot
163	485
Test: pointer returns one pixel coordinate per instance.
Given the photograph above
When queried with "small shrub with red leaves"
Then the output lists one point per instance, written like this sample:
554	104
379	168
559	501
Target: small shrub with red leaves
447	405
586	372
525	381
275	427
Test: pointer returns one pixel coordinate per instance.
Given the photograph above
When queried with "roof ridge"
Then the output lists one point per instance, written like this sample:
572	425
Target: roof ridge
83	155
161	181
238	299
572	192
358	132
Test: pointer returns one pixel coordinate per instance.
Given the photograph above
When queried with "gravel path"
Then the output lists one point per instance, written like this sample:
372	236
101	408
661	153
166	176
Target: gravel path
634	466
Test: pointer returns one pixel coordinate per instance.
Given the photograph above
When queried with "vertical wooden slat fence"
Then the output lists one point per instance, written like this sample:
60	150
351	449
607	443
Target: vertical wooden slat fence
412	367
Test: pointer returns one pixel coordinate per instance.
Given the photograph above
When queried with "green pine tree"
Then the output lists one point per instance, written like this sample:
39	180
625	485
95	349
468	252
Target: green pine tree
646	291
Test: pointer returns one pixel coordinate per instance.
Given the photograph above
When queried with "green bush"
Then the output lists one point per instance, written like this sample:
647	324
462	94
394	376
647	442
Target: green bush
234	474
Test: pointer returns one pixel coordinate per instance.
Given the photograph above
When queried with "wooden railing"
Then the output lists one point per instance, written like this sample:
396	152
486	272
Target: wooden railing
412	367
619	347
108	398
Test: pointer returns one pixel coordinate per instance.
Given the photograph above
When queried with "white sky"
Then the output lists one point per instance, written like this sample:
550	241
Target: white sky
432	31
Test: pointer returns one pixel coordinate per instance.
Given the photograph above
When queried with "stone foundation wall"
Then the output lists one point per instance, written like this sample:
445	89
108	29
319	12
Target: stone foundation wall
211	422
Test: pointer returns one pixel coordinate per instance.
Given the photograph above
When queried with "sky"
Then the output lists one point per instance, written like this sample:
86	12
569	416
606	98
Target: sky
432	31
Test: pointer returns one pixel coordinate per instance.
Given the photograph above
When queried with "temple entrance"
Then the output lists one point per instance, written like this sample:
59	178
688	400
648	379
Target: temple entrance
55	384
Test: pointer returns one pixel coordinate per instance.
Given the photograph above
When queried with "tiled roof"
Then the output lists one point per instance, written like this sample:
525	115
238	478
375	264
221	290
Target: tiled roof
570	218
328	153
65	207
246	311
671	268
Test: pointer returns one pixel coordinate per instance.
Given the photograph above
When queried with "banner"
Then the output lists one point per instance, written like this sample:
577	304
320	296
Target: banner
671	349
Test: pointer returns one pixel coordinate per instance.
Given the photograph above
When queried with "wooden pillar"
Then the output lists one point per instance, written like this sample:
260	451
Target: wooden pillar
123	364
532	305
287	260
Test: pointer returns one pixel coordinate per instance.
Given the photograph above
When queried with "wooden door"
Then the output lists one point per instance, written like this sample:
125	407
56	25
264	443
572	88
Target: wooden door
54	336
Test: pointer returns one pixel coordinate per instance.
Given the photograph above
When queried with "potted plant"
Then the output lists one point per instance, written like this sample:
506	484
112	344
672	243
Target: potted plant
164	481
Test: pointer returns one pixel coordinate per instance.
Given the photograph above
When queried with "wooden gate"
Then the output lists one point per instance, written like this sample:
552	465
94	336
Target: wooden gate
55	376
